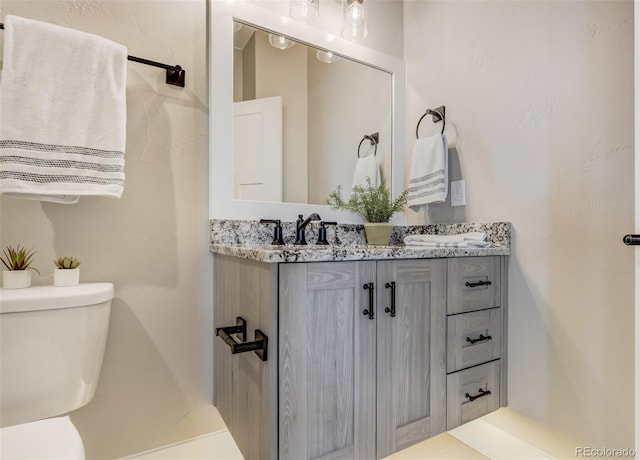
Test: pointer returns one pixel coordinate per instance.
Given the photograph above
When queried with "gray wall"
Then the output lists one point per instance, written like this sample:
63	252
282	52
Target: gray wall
541	94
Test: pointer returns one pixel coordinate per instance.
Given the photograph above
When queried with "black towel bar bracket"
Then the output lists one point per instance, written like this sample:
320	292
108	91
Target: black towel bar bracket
437	114
259	345
175	73
373	139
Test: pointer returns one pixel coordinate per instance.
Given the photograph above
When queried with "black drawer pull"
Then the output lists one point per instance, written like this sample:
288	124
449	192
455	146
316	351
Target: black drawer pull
260	345
369	287
392	310
477	284
481	338
482	393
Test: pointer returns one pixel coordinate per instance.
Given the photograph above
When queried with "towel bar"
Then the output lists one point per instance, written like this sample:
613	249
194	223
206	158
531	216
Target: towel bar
175	73
259	345
437	114
374	139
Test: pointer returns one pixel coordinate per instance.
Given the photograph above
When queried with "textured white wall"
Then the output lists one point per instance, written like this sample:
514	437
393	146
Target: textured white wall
541	94
156	382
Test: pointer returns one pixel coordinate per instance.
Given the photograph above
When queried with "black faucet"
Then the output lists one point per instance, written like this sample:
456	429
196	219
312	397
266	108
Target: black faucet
300	227
322	232
277	231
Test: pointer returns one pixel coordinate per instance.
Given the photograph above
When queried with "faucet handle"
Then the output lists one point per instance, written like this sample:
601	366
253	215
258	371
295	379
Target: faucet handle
277	231
322	232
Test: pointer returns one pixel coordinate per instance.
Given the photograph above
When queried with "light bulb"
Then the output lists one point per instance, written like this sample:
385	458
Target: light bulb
280	41
355	11
304	10
326	56
355	19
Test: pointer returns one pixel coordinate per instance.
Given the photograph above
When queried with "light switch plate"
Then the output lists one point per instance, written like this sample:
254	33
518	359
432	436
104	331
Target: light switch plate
458	193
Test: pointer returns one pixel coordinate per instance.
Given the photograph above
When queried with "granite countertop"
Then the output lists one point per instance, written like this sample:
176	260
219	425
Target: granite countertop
251	240
333	253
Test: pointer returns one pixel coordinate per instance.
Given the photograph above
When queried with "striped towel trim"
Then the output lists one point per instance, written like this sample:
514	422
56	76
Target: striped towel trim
427	185
29	167
427	177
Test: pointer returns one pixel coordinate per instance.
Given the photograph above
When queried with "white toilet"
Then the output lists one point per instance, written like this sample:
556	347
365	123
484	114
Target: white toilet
52	342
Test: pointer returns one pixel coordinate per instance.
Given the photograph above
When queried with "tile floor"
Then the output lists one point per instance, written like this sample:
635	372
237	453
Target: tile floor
501	435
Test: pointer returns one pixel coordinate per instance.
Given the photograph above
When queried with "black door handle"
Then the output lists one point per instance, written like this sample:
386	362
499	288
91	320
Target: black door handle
392	310
369	287
631	240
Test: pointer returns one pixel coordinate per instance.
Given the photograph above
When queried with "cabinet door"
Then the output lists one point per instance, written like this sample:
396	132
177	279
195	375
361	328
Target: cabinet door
411	353
327	361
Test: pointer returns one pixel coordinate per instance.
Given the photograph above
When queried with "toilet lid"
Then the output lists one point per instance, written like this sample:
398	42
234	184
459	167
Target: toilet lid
44	439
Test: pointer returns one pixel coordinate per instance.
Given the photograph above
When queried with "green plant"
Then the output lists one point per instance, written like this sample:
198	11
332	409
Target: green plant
18	258
374	204
67	263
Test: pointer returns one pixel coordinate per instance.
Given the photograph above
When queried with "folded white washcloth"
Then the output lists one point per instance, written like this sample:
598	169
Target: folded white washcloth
366	167
63	112
429	174
461	240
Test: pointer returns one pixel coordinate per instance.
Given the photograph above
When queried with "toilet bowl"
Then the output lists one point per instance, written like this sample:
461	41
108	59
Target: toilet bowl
52	342
53	438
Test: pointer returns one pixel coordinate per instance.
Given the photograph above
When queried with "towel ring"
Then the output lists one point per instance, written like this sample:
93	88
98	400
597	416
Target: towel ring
437	114
374	139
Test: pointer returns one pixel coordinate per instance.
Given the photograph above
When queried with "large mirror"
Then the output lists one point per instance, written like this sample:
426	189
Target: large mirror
325	110
305	119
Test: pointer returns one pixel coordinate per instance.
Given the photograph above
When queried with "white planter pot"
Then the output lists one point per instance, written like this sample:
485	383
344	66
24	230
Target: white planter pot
16	279
66	277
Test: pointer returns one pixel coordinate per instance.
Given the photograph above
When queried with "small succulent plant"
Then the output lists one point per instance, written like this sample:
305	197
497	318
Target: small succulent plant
66	263
18	258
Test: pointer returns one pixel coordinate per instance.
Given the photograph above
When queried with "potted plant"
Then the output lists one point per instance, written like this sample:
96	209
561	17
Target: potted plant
374	205
17	261
66	272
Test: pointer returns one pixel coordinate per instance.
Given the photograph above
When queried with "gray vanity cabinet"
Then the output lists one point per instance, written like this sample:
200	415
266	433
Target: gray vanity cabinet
362	357
354	372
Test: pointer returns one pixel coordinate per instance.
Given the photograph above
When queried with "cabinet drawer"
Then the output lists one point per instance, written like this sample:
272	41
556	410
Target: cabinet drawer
473	338
465	400
473	284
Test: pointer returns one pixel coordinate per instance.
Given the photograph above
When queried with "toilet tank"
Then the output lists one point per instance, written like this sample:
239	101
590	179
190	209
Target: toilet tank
52	342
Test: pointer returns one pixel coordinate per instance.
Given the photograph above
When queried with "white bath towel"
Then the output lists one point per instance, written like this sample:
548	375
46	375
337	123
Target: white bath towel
461	240
366	167
63	112
429	174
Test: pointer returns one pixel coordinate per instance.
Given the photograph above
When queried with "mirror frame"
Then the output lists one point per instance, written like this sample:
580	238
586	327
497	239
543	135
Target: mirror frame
222	205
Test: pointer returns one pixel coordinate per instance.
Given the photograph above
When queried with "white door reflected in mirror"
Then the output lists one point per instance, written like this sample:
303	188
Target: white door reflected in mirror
257	149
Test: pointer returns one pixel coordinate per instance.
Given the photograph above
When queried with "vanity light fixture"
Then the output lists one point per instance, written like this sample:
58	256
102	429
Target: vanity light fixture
327	57
304	10
354	14
280	41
